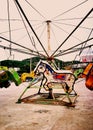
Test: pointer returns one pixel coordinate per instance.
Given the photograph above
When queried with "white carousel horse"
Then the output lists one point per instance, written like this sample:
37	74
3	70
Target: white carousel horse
51	77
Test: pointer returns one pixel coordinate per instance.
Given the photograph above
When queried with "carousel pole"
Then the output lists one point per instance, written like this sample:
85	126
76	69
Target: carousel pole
22	11
48	35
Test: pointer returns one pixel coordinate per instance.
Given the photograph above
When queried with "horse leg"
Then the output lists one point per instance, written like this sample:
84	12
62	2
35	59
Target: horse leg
40	87
67	94
75	93
66	89
43	82
51	95
50	89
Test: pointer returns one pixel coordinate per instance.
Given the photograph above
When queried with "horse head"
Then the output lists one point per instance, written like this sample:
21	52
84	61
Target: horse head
40	67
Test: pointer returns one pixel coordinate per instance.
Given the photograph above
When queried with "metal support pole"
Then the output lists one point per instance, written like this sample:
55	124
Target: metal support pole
73	31
30	26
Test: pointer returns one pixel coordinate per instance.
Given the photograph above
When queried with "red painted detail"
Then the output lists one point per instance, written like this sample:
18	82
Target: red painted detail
59	76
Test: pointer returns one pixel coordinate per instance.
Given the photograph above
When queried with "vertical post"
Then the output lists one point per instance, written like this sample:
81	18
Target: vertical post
48	35
72	32
22	11
8	11
30	64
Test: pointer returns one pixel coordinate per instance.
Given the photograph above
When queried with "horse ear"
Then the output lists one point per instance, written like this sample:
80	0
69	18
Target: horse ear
40	62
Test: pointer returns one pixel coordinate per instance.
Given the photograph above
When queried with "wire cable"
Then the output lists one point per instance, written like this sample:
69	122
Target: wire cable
67	19
22	46
85	42
22	11
70	9
26	29
18	20
72	25
18	50
73	31
72	51
12	30
54	35
8	12
61	53
66	31
36	10
24	23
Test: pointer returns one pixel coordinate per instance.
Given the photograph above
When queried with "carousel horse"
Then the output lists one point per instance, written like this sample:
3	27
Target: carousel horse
51	78
88	74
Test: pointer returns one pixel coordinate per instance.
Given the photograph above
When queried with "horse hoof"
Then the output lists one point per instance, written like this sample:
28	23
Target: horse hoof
19	101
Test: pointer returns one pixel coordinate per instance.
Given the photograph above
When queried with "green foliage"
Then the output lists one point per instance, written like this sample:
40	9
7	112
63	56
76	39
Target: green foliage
24	65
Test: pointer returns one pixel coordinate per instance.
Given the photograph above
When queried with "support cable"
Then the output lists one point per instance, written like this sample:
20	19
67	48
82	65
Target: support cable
70	9
83	46
77	49
31	38
85	42
35	9
66	31
42	31
8	11
21	46
17	50
54	35
30	26
73	31
60	54
34	44
2	20
63	19
73	25
25	25
12	30
67	19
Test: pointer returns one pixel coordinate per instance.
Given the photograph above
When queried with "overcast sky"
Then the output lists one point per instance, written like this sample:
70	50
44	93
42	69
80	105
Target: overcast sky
64	15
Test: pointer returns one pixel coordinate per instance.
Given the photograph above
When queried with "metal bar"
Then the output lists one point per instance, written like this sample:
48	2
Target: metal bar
19	99
86	42
72	51
30	26
21	46
69	9
17	50
73	31
8	11
74	46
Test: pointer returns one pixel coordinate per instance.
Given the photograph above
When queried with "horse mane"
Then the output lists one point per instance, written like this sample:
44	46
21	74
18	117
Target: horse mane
49	67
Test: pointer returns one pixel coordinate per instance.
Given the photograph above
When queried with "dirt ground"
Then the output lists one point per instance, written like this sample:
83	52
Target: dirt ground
28	116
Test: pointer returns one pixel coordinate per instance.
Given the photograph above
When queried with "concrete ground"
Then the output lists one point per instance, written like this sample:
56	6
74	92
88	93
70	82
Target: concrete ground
26	116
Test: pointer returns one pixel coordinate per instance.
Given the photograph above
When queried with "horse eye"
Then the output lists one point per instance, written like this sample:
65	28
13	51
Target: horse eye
41	67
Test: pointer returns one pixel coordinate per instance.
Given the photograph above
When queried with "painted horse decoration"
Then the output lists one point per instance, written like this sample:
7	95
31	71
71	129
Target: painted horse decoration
88	75
50	78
